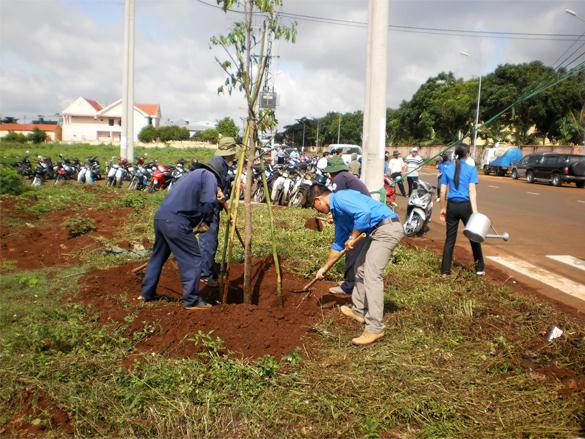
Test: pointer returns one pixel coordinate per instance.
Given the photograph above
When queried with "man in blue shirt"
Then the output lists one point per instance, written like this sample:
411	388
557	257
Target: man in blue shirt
458	202
208	241
189	205
355	213
341	179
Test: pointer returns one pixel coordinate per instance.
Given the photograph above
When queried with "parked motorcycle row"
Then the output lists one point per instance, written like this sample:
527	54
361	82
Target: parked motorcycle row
149	177
289	181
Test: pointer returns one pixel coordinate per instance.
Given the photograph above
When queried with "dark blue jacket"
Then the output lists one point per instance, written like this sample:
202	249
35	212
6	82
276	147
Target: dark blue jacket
192	199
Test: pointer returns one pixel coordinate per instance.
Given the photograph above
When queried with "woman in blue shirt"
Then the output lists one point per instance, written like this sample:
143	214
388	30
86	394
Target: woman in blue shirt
458	202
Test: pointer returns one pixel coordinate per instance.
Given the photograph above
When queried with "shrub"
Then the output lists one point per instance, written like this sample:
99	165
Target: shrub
10	182
37	136
79	225
135	200
148	134
14	137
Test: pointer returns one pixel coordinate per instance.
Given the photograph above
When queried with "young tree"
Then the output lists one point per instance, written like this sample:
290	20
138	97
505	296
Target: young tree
227	127
245	66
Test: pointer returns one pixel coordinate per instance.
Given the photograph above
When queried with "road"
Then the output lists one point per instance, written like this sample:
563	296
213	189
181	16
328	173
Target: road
547	228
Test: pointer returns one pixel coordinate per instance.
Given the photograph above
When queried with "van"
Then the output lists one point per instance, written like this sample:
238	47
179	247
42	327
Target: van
346	151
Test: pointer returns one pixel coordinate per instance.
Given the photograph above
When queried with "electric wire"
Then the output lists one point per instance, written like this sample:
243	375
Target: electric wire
564	62
566	50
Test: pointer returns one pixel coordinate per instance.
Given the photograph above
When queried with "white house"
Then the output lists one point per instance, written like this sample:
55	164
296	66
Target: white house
86	120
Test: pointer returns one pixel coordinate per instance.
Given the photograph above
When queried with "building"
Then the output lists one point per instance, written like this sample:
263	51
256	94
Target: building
53	130
86	120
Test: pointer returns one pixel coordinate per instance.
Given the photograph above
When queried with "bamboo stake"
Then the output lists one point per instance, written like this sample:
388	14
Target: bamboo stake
272	234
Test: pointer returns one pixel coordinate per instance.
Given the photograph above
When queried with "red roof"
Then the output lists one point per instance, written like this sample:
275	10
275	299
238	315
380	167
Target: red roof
27	127
150	109
94	104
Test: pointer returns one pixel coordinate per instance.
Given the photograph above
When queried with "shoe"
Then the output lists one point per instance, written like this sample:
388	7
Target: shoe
199	306
338	291
446	275
480	273
437	200
150	299
348	312
340	283
367	338
210	281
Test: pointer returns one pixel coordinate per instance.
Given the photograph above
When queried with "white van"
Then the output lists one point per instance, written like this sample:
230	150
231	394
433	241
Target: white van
346	151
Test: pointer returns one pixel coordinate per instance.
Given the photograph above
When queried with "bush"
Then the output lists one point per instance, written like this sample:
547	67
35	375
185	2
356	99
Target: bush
210	135
14	137
135	200
10	182
173	132
148	134
79	225
37	136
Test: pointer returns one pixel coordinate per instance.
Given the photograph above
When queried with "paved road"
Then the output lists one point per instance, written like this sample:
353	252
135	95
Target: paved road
547	229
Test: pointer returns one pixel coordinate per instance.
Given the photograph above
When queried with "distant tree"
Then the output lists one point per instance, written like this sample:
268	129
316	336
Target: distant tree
37	136
173	132
148	134
227	127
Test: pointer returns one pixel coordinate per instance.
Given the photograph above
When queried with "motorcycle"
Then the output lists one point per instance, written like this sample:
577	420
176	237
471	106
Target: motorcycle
302	184
65	169
24	167
90	171
419	209
117	173
177	172
161	177
43	171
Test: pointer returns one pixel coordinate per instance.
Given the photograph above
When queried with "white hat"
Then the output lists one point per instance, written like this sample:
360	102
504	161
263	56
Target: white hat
414	149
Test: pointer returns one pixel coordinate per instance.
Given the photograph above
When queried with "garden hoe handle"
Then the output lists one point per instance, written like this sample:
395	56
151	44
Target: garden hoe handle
332	263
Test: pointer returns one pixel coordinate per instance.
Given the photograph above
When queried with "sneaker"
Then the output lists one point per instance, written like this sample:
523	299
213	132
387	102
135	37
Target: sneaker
480	273
150	299
348	312
338	291
446	275
210	281
367	338
199	306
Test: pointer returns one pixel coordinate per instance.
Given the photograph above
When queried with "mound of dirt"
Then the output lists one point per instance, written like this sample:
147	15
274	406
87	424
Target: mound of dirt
45	243
249	331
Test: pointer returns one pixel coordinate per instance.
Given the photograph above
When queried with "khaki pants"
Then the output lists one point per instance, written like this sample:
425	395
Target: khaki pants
368	292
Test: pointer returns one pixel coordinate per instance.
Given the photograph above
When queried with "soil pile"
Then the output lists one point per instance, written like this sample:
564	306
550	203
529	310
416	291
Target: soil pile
46	243
250	331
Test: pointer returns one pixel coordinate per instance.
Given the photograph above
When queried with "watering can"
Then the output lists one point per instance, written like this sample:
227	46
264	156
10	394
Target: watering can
478	226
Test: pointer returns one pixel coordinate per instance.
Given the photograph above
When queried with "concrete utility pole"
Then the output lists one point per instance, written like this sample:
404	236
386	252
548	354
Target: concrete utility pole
374	131
127	138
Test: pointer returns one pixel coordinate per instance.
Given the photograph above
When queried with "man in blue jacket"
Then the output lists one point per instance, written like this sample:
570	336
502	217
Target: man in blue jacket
189	205
354	214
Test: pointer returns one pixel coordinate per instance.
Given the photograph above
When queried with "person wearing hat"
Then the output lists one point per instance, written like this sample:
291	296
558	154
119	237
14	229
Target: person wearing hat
354	165
208	241
395	168
341	179
413	162
354	214
191	204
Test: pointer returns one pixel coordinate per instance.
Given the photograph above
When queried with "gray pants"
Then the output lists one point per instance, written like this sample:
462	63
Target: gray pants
368	292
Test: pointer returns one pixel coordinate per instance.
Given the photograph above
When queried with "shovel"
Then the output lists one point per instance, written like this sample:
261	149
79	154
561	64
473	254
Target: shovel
331	264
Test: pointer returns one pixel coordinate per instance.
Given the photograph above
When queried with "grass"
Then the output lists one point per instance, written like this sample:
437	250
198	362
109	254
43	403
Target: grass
11	152
462	357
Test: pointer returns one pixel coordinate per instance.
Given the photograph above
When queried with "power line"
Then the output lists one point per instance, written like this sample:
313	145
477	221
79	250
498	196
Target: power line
421	30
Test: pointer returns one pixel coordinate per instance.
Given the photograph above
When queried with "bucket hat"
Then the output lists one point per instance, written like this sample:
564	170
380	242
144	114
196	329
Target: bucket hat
215	167
335	164
227	146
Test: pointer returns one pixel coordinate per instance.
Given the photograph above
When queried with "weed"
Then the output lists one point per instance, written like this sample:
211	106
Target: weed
135	200
79	225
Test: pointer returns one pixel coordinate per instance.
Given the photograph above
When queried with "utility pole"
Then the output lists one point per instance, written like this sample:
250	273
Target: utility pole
127	138
374	130
317	141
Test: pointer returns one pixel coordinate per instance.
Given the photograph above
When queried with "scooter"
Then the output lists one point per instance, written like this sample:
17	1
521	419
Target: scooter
419	209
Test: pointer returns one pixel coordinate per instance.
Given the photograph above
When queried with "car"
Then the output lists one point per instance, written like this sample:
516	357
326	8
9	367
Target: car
346	150
556	168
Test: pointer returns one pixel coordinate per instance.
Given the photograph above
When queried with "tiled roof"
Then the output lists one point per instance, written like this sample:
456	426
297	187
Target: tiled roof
94	104
150	109
27	127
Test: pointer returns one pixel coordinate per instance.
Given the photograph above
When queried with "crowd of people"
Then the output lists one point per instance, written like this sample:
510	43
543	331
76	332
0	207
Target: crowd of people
195	204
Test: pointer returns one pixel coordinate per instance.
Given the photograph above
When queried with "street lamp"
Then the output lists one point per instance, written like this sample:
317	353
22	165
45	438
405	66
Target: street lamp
473	154
574	14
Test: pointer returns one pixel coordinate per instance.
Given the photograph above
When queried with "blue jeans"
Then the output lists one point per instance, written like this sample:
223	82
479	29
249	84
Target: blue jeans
208	243
177	237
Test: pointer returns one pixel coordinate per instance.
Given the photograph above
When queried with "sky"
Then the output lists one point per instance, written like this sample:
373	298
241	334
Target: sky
53	51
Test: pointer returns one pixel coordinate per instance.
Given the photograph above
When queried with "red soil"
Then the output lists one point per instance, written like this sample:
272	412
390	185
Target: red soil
46	243
250	331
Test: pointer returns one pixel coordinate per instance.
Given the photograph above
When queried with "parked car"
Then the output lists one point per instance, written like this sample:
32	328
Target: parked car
503	164
491	153
346	150
552	167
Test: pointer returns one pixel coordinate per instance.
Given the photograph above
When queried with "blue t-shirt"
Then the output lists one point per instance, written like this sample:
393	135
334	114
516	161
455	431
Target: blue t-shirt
354	211
467	175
